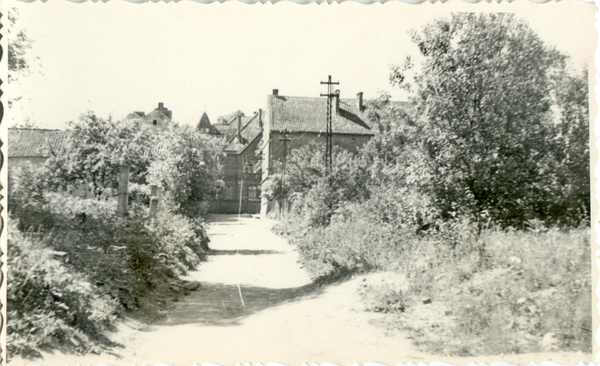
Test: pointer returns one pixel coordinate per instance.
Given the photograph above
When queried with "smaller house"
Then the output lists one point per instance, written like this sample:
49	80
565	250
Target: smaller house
29	148
157	120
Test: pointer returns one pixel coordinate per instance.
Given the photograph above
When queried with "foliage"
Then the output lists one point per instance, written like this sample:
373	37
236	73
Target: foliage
116	261
50	306
183	241
96	149
310	190
486	122
19	57
189	169
26	201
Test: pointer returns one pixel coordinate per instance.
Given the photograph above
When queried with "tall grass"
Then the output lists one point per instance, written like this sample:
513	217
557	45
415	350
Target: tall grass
486	292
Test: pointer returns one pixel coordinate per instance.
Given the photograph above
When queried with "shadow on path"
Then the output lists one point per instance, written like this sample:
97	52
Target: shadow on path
220	304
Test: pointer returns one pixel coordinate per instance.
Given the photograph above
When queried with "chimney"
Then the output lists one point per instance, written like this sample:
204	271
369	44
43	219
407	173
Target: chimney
161	105
260	121
239	128
336	102
359	101
275	92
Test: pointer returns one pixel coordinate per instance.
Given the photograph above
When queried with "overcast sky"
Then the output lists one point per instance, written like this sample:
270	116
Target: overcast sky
114	58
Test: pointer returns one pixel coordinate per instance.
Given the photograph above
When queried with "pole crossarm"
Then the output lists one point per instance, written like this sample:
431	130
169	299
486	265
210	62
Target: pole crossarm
329	126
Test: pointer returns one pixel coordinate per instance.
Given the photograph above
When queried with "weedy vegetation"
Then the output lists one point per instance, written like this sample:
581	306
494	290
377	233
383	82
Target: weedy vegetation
475	198
75	267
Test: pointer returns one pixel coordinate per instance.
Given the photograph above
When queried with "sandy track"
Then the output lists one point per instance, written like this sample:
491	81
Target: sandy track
284	317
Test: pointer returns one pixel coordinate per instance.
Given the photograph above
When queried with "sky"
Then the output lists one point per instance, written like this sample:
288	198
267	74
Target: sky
117	57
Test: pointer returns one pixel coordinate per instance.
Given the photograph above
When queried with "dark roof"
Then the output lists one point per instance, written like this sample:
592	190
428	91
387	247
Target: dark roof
205	126
305	114
308	114
229	128
250	129
33	142
163	114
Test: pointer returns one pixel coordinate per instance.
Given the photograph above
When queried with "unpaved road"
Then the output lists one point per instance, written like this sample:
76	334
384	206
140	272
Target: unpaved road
283	317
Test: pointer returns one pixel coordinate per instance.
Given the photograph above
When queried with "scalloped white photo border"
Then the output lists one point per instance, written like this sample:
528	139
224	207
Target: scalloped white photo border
594	157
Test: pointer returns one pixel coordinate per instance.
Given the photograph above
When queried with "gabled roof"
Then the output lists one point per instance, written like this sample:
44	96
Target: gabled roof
205	126
307	114
229	128
250	130
34	142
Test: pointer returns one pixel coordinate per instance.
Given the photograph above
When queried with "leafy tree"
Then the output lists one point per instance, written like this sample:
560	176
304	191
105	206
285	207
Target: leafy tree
571	151
20	64
96	149
482	108
18	46
310	190
188	167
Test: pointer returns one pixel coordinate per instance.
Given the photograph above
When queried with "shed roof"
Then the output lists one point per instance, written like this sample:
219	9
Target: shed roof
34	142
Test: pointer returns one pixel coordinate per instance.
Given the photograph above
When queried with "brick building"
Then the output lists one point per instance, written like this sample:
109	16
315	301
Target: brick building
303	119
241	164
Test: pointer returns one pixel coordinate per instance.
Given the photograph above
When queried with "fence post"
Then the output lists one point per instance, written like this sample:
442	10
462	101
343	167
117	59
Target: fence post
153	200
123	190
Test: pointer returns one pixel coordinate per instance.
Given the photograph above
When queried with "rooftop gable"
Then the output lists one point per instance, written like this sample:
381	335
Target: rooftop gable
34	142
308	114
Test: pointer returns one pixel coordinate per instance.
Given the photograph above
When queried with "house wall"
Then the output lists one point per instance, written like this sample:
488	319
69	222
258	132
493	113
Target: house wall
228	200
273	150
30	163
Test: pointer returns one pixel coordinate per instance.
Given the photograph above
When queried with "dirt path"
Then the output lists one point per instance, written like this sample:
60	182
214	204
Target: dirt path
284	317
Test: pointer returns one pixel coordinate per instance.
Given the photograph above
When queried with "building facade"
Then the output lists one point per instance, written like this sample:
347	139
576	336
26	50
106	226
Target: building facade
240	162
157	120
295	121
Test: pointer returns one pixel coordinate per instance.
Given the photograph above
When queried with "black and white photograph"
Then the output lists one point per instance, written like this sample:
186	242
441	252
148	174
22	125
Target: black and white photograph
277	184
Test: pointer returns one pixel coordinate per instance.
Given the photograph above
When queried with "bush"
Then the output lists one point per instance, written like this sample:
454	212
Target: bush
183	241
111	261
50	306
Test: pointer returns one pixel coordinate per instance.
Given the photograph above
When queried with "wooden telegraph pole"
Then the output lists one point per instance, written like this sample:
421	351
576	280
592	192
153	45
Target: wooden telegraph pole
285	140
329	126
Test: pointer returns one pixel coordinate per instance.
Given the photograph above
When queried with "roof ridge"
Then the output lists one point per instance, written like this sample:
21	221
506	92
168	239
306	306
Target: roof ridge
36	129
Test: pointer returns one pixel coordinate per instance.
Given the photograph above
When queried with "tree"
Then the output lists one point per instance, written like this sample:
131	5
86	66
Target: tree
95	150
482	100
188	167
19	65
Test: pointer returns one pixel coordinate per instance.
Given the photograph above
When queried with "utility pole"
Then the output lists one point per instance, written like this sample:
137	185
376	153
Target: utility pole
329	126
285	140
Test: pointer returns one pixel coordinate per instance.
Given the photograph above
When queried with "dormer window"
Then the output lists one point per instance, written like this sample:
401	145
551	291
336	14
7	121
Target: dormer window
155	122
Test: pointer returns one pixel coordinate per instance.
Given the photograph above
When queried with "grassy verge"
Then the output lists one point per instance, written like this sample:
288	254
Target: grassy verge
462	292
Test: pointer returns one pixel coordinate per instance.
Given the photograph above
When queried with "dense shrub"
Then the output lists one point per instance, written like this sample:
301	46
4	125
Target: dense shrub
104	258
51	306
183	241
188	168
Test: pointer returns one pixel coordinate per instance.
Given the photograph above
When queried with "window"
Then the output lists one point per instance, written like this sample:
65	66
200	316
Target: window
155	122
253	193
